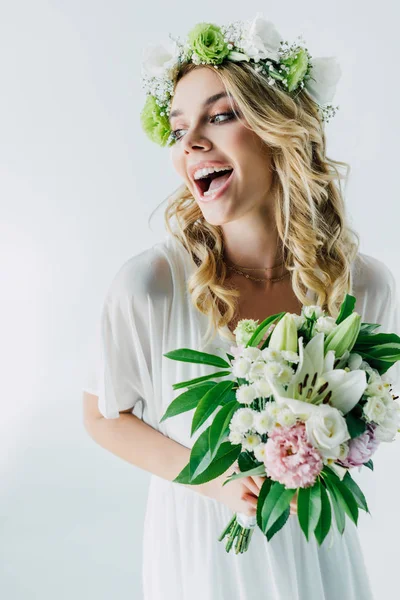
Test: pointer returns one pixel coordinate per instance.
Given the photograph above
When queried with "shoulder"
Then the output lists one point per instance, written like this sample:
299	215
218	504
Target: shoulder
147	273
372	275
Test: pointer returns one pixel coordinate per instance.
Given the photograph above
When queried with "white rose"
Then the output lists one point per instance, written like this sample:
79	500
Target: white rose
325	324
261	40
375	409
326	429
159	61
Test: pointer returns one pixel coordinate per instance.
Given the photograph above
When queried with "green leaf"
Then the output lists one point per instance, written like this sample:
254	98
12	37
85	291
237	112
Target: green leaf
262	496
209	402
325	518
262	328
260	471
356	491
309	508
187	400
346	308
355	425
340	515
194	356
345	496
275	504
200	457
369	464
181	384
225	457
279	523
247	461
219	428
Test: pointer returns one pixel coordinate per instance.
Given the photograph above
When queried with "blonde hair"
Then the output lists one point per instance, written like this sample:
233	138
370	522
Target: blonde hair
317	243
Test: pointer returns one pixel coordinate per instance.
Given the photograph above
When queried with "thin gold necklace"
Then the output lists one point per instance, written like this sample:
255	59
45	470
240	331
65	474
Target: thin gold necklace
233	268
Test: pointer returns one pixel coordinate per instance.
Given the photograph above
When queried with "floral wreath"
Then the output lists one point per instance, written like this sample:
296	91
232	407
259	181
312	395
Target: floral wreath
257	42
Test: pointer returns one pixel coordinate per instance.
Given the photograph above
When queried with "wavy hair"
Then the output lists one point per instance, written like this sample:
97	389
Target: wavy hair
318	245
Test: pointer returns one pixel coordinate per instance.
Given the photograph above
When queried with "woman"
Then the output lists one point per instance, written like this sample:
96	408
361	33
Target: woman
269	236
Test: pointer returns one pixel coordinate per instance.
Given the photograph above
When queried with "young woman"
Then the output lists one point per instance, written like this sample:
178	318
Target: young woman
269	236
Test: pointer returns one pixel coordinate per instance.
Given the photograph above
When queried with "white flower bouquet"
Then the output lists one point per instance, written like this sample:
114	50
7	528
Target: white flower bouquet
304	403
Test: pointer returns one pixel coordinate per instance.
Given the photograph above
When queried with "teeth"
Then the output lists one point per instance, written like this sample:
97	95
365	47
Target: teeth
200	173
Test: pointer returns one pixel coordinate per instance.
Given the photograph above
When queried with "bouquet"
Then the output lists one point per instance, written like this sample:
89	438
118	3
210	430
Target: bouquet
303	403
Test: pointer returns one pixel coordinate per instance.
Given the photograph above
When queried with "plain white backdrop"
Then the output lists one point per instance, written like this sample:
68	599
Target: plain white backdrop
79	180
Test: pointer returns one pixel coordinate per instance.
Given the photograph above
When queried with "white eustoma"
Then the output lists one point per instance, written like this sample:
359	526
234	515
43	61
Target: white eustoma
387	430
261	40
325	74
312	310
245	394
242	420
343	450
375	409
354	361
325	324
259	452
316	380
251	441
326	430
241	367
159	61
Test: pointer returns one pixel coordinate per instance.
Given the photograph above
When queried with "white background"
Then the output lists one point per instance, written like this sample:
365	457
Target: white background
79	180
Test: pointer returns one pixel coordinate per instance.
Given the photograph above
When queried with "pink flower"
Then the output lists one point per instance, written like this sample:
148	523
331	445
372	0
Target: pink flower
361	448
290	458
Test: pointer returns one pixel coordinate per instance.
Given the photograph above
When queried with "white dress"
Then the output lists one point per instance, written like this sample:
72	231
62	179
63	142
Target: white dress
146	313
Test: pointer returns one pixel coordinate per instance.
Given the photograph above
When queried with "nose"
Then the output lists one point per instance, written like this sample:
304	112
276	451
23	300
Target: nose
193	140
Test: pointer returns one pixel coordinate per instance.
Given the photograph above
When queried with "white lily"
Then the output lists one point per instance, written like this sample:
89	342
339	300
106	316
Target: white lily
316	382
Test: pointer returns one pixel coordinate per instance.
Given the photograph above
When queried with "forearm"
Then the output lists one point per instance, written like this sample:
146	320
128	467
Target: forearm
136	442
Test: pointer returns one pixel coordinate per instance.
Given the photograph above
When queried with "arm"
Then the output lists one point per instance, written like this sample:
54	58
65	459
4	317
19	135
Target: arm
139	444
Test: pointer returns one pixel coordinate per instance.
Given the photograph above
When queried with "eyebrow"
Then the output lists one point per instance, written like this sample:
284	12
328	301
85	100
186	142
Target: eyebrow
210	100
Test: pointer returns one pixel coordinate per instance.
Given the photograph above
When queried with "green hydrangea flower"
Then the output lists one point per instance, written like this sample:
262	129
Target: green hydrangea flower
298	66
207	41
154	123
244	330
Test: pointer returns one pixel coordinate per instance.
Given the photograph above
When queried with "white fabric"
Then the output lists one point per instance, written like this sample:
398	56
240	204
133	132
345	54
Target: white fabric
147	312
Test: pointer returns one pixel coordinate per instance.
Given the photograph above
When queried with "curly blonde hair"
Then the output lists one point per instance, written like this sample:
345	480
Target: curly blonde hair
317	244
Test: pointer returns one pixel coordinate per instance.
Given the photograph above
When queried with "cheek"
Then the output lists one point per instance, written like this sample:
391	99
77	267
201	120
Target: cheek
177	161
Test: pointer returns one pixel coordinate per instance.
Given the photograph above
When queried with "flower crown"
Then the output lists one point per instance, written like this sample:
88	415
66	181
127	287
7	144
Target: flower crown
257	42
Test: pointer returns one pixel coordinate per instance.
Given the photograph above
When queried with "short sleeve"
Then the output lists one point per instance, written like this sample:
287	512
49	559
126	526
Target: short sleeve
381	304
126	353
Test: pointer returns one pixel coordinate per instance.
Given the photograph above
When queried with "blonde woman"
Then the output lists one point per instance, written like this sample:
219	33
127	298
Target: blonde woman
269	236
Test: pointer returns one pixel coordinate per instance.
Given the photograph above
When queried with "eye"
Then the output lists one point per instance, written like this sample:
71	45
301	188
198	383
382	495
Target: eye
229	115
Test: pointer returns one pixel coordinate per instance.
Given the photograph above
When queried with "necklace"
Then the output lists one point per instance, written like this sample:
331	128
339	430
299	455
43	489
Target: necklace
239	272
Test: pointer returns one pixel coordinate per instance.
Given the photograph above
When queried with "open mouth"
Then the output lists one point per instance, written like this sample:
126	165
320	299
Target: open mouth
209	185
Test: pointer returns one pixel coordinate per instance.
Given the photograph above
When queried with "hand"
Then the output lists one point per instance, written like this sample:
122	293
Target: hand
255	482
